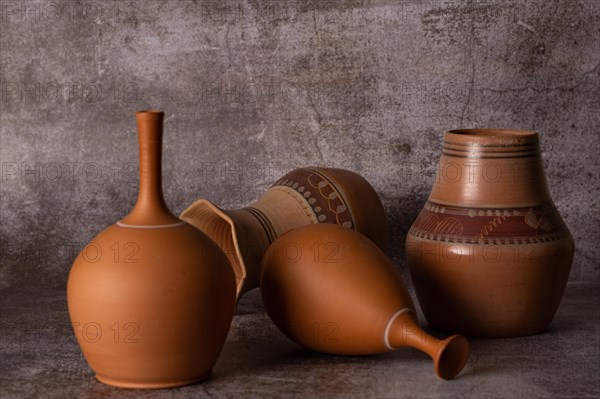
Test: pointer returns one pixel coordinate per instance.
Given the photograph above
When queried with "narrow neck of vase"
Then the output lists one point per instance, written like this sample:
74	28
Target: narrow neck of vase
150	208
405	331
490	168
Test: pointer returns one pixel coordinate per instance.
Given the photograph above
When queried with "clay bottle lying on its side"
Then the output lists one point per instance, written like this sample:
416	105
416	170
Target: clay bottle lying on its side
332	290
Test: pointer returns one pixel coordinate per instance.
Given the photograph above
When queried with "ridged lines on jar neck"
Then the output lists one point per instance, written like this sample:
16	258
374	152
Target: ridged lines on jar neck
490	143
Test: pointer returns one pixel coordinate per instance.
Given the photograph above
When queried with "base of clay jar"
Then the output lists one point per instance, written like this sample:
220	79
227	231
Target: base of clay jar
490	334
151	385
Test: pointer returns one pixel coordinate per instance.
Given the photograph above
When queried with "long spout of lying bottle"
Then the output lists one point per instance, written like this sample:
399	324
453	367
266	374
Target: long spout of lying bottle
449	355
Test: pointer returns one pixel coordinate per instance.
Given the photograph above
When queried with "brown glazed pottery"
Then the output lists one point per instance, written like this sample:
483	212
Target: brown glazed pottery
303	196
332	290
489	254
151	298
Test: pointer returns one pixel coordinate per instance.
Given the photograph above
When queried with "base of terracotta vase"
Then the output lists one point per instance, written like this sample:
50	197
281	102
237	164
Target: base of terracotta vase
512	333
151	385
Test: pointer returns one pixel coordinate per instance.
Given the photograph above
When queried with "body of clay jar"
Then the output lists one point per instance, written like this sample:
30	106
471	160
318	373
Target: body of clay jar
149	317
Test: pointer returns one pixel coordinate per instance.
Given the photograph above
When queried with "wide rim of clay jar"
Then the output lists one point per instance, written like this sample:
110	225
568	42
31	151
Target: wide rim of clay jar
491	137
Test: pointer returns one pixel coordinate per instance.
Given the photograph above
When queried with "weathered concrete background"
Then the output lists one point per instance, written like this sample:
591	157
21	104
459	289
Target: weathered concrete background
251	90
254	88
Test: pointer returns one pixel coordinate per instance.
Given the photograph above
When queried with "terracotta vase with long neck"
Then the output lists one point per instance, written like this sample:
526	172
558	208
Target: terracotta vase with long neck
303	196
332	290
489	254
151	298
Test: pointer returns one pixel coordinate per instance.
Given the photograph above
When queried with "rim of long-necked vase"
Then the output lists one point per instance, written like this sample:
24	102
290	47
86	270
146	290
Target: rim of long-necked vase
492	136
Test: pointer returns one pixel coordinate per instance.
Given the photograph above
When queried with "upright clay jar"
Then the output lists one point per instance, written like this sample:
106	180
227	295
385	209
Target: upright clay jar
489	254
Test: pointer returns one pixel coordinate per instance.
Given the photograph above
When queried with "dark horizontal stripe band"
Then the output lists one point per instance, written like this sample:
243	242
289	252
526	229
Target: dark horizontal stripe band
517	240
492	151
491	145
491	157
508	208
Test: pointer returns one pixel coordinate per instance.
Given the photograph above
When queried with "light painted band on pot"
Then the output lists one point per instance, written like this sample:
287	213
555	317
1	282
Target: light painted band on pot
155	226
386	333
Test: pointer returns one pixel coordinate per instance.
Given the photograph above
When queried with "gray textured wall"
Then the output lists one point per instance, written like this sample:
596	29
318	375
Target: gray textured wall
252	89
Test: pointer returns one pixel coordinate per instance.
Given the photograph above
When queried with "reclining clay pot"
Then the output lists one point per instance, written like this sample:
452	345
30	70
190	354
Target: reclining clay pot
303	196
332	290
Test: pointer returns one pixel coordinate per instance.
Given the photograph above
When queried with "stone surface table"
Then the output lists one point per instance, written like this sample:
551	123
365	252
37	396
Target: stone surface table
40	358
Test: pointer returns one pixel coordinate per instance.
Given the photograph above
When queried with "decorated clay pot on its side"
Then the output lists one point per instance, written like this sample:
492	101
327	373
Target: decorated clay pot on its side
489	254
151	298
303	196
332	290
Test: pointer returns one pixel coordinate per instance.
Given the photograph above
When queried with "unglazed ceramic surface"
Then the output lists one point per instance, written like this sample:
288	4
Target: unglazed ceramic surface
151	298
489	254
332	290
303	196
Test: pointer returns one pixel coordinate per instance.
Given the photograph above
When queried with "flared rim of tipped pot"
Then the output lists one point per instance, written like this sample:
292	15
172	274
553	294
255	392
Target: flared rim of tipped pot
235	259
452	358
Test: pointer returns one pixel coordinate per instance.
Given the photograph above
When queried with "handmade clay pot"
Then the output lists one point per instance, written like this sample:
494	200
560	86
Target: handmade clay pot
332	290
151	298
489	254
303	196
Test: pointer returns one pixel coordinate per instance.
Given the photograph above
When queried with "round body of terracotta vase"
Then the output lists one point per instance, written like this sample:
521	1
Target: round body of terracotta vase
332	290
151	298
303	196
489	254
